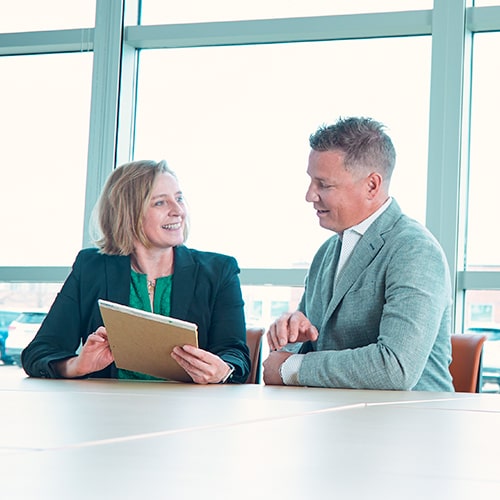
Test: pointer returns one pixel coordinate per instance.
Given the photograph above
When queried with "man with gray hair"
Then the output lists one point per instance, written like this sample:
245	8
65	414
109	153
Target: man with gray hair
376	309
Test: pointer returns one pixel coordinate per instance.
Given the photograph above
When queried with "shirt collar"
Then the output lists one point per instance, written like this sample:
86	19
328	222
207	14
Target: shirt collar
363	226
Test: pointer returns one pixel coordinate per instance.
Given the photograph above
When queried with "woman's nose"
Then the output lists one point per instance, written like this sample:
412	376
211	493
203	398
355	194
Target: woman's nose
176	208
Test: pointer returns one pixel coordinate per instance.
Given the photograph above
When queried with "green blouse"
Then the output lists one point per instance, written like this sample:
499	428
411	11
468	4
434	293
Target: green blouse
139	299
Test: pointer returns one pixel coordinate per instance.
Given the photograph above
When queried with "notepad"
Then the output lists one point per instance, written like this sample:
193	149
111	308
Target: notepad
142	341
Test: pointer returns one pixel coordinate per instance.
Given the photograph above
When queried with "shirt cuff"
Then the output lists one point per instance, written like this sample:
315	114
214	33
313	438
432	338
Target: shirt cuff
289	370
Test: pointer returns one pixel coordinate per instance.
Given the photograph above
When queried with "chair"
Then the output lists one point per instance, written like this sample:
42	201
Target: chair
465	367
254	343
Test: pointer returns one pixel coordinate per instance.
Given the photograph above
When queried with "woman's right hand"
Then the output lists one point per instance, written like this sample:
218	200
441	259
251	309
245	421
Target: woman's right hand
94	356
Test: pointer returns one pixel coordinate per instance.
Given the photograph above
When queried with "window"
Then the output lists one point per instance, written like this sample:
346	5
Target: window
482	236
27	296
34	15
481	313
264	304
234	122
188	11
482	309
485	3
45	102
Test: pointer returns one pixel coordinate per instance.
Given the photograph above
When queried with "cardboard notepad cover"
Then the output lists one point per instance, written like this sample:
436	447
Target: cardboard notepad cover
142	341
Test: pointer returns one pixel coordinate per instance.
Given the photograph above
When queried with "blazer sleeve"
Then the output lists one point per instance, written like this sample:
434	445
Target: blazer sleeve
74	314
227	331
209	283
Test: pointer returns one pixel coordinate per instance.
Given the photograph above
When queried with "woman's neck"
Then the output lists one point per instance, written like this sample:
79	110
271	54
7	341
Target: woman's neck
154	264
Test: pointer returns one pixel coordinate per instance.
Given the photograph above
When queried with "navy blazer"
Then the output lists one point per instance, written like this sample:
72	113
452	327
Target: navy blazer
205	290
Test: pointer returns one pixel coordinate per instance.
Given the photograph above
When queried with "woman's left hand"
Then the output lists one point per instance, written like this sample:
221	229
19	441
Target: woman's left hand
202	366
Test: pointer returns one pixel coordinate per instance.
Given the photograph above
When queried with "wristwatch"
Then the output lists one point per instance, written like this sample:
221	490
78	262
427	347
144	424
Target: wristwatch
229	374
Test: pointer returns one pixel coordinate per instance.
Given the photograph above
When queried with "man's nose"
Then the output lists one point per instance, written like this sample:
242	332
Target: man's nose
311	195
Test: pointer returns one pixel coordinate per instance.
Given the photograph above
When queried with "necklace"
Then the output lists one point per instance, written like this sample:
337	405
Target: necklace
151	284
151	287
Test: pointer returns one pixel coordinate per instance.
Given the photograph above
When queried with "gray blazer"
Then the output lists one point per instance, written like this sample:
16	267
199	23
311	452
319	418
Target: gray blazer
385	322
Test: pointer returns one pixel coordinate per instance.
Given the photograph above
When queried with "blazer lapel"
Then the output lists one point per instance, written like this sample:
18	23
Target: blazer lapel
183	282
118	279
328	279
359	260
365	251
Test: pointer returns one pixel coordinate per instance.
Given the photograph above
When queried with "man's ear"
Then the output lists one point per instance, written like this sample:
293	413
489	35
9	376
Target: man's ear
374	182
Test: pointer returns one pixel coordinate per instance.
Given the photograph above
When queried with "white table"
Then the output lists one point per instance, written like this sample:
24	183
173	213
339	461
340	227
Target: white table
64	439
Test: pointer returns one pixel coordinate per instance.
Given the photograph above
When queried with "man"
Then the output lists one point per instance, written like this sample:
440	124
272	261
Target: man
376	310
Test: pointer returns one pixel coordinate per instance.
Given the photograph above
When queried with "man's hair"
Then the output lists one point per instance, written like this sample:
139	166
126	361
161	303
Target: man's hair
119	213
363	141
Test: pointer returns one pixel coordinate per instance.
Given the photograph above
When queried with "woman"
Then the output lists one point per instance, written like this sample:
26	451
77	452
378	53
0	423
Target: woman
140	260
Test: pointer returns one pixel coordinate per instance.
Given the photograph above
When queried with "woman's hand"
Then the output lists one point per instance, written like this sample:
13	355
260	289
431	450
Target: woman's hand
94	356
202	366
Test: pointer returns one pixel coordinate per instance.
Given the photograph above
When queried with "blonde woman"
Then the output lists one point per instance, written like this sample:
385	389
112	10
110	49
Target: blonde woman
140	260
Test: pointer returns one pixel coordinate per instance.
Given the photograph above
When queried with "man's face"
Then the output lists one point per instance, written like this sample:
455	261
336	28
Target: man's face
339	198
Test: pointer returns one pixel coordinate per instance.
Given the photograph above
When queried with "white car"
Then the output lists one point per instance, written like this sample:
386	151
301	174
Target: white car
22	331
491	355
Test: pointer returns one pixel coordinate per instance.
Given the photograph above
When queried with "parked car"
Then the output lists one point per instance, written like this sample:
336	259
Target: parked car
491	331
22	331
491	354
6	318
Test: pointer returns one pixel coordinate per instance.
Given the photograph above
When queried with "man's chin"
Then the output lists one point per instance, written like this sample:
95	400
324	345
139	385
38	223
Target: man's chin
324	224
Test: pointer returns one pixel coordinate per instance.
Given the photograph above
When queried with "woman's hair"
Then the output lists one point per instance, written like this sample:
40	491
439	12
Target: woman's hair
119	213
363	141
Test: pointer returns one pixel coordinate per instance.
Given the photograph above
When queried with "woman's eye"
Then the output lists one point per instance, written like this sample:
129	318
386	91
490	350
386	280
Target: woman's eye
159	203
180	199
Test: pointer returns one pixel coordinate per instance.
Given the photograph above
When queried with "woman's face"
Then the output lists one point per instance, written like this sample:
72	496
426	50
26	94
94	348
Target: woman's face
164	218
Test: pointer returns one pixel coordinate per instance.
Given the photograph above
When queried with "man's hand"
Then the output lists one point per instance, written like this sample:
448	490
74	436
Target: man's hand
290	327
272	367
